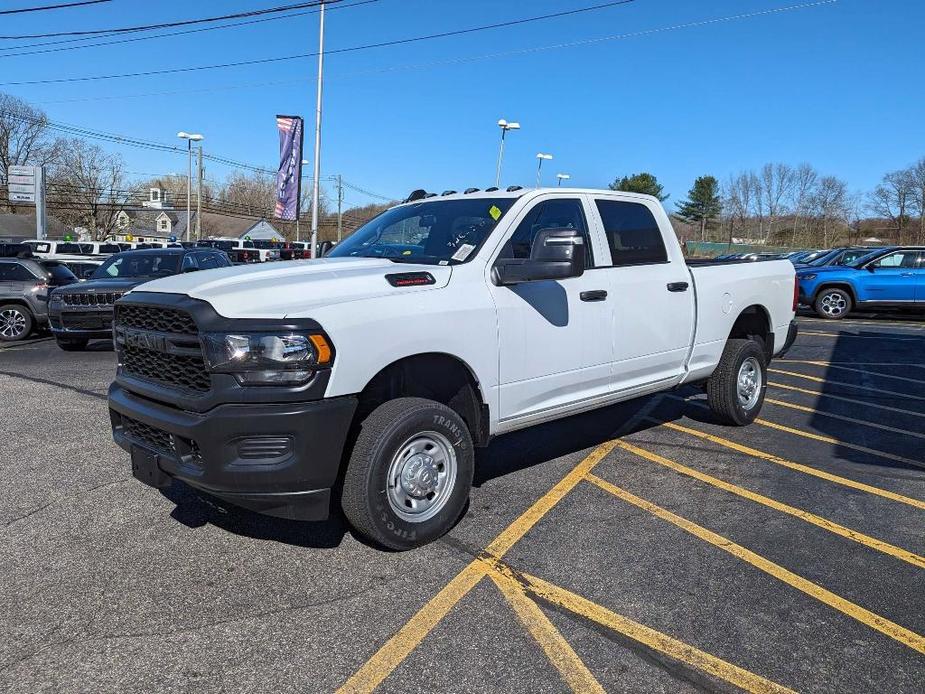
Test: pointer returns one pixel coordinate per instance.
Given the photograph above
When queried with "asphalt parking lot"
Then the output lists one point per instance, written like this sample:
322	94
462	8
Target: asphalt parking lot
638	548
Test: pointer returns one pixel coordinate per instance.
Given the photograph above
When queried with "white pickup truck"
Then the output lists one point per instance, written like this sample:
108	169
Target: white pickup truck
367	377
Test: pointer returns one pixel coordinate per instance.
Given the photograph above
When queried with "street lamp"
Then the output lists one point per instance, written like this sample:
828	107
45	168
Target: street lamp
305	162
505	126
190	139
562	177
539	166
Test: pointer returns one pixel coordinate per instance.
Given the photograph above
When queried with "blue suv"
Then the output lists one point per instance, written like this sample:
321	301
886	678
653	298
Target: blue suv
892	277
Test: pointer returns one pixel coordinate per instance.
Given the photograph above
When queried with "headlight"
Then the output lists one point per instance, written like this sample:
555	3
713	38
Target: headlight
266	359
807	277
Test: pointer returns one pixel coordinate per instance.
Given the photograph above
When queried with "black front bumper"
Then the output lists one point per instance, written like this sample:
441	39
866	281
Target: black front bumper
86	323
278	459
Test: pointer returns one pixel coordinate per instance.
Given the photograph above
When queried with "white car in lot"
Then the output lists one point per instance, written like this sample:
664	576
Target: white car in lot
369	376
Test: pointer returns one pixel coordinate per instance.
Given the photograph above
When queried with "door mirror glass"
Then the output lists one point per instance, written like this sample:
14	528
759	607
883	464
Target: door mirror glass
556	254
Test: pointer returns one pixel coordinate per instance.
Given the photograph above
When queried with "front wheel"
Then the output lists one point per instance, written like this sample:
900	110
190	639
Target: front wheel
15	323
832	303
409	475
735	391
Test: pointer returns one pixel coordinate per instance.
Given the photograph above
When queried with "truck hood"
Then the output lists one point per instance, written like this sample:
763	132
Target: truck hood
294	288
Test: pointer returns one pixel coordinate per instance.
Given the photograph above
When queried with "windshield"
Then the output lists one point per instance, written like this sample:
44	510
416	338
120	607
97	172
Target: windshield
438	232
824	258
139	265
59	272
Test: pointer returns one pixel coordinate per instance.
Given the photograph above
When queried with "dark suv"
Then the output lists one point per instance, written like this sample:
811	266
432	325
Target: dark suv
25	283
84	311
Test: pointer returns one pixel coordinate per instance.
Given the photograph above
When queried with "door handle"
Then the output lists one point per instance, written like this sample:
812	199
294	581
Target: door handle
593	295
907	274
677	286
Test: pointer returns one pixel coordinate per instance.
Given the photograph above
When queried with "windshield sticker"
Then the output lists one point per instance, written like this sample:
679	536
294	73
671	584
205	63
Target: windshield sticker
444	262
495	212
406	252
463	252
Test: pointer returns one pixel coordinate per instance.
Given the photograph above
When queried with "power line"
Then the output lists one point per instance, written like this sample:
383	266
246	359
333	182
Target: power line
300	56
62	6
41	48
167	25
473	58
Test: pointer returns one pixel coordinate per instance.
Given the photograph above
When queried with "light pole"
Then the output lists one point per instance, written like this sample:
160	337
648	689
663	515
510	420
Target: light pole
505	126
317	171
562	177
190	139
302	165
540	157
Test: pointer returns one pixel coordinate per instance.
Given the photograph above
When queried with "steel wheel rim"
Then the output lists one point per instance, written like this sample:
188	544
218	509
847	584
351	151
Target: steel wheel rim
833	304
12	323
748	383
421	477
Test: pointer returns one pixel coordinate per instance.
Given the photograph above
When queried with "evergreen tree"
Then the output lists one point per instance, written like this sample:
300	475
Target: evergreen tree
703	204
640	183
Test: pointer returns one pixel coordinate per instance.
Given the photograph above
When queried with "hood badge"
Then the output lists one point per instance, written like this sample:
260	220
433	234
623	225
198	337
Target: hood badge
410	279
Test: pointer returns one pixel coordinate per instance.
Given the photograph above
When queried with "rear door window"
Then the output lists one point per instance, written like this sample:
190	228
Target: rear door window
14	272
632	233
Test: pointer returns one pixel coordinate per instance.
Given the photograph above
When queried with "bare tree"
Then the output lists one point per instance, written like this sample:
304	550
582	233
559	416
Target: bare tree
87	189
831	205
777	181
24	136
738	195
805	178
894	199
917	173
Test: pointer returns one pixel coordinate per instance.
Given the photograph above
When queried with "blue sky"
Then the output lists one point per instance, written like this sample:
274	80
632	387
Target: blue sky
837	85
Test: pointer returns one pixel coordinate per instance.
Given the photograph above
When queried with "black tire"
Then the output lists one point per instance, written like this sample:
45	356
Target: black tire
723	385
365	497
16	323
72	344
832	303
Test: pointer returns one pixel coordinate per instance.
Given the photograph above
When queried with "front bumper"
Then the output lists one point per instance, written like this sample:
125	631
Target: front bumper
88	323
278	459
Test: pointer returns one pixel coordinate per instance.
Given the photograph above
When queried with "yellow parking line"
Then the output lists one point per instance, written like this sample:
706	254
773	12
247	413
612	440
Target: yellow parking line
842	398
406	639
812	518
830	382
861	337
557	649
843	418
839	442
655	640
783	462
874	621
830	365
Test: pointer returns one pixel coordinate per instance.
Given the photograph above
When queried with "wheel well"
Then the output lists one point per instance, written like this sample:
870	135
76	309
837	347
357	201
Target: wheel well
17	302
836	285
754	322
435	376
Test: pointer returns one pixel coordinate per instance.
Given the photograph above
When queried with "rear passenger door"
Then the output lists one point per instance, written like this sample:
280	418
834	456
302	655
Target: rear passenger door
652	292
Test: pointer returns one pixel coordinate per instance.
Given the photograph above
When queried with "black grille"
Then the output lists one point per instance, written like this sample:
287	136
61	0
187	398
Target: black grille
147	435
86	321
89	299
177	370
162	320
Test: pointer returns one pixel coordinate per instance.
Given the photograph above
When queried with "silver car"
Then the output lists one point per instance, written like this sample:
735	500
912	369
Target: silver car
25	284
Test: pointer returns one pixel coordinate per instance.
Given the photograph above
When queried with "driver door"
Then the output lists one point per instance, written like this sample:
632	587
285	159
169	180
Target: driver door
891	278
555	336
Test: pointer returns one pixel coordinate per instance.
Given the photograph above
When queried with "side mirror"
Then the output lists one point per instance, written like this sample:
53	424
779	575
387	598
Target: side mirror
557	254
870	267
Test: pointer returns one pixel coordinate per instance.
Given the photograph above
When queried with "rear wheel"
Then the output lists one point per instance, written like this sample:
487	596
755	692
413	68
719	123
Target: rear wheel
15	323
409	474
833	303
735	391
72	344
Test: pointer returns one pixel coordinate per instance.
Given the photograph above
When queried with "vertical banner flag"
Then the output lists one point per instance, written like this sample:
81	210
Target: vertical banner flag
289	176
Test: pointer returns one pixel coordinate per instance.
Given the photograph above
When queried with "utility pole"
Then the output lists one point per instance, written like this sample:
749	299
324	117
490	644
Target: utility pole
199	199
317	169
340	205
